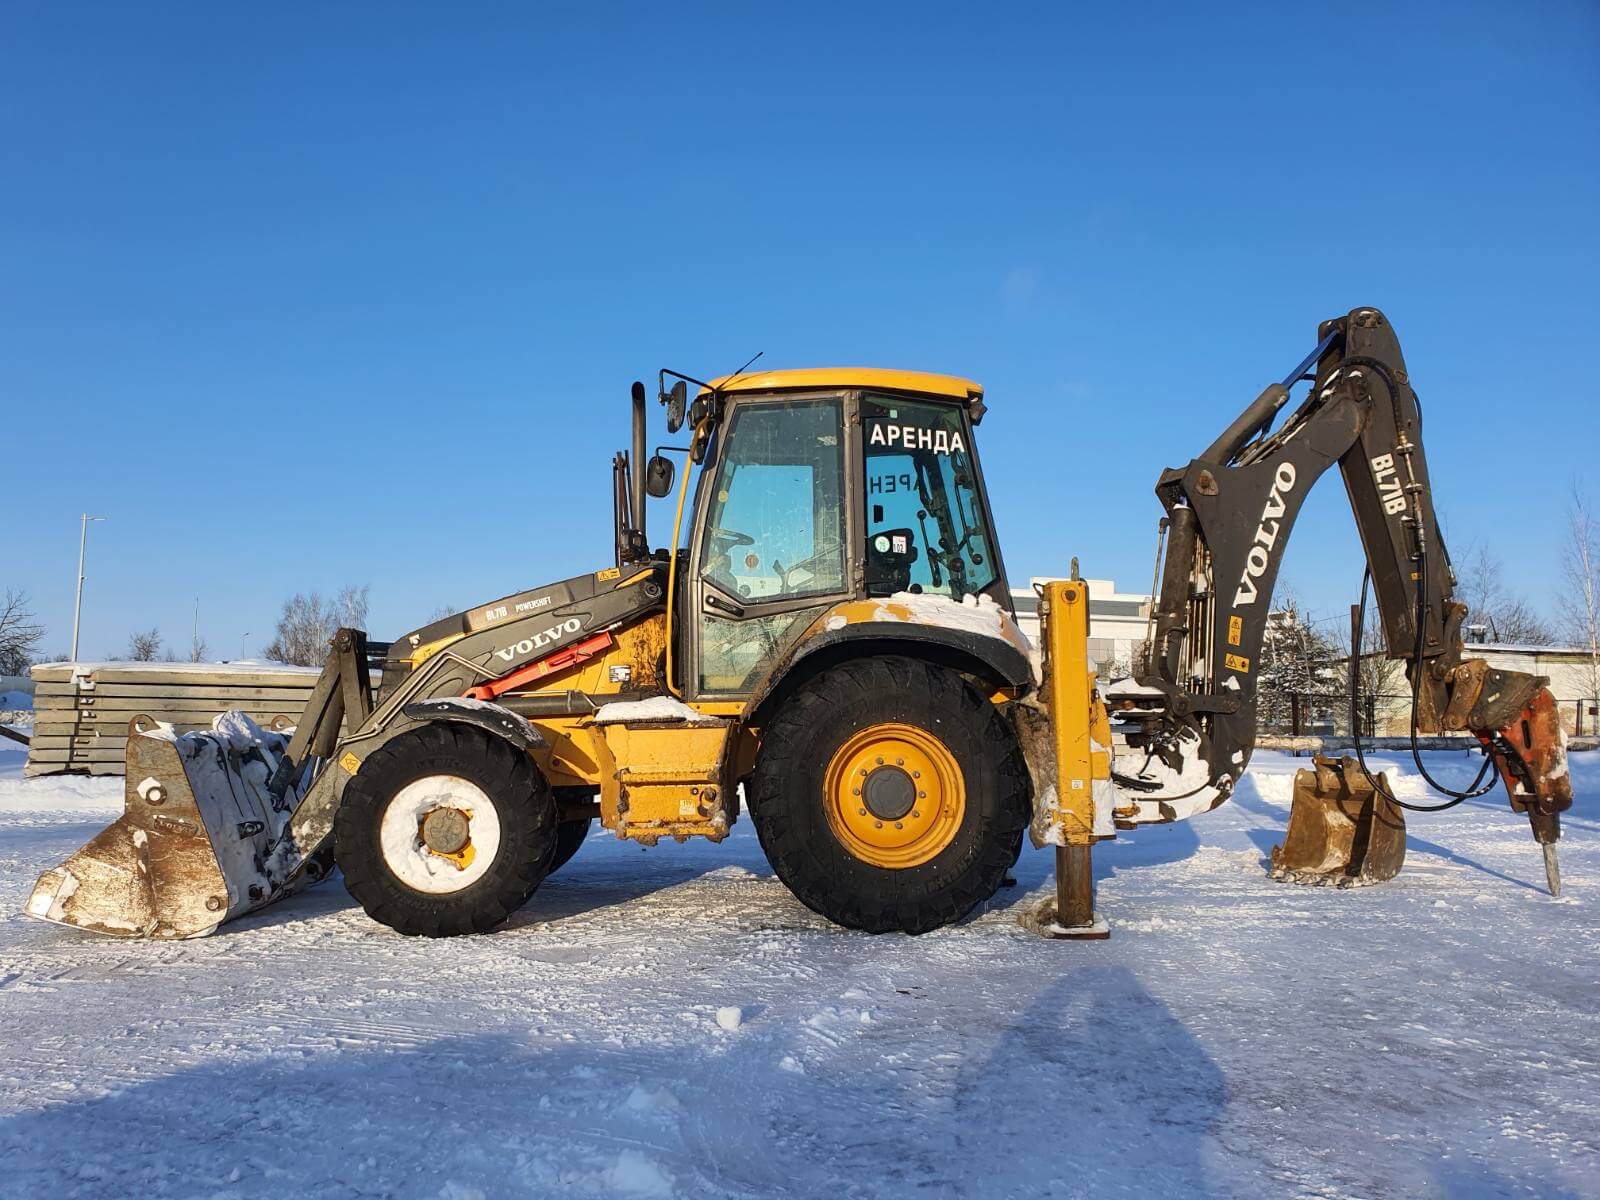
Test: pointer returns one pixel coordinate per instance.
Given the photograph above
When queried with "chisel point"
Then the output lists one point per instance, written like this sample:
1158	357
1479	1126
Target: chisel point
1552	869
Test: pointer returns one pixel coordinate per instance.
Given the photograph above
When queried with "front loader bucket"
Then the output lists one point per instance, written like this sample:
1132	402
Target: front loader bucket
1342	830
194	845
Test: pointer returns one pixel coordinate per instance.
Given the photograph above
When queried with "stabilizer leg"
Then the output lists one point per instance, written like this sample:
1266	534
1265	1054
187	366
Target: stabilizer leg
1071	914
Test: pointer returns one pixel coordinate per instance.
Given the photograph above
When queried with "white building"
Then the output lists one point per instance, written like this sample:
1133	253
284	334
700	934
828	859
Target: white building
1119	622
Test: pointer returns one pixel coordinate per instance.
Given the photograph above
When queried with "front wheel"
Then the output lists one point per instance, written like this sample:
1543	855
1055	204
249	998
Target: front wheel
889	794
445	830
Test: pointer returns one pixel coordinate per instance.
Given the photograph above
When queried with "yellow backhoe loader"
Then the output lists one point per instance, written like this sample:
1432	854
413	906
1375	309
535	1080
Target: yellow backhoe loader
829	640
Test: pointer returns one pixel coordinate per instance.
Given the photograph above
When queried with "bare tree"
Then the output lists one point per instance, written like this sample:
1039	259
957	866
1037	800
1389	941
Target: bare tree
309	622
19	633
1381	684
198	649
145	645
1579	605
1133	664
1506	617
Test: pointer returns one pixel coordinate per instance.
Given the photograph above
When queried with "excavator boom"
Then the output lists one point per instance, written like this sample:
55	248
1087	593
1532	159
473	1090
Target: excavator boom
1231	512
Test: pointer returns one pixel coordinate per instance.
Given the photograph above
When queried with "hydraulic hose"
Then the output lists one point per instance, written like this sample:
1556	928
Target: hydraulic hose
1477	787
1473	789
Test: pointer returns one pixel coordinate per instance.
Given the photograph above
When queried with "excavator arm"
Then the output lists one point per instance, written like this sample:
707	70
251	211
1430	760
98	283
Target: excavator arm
1230	513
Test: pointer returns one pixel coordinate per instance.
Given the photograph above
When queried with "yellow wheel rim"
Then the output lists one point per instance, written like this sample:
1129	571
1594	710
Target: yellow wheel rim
894	795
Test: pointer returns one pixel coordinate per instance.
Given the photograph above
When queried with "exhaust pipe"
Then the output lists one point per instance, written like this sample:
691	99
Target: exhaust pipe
636	472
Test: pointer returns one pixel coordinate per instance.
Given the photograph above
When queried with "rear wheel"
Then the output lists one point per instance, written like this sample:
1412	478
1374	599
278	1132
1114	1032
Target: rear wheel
890	795
445	830
571	832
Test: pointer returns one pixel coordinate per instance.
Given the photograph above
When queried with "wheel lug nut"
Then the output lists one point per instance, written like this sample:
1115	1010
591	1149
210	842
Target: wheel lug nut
898	825
916	774
877	824
880	760
861	811
922	795
899	762
914	813
857	791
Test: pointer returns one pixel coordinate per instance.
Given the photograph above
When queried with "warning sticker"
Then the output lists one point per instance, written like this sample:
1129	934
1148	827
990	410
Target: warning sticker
349	762
1235	630
1236	662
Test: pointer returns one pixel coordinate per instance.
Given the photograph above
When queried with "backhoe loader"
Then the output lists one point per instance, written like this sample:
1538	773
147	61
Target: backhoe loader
829	639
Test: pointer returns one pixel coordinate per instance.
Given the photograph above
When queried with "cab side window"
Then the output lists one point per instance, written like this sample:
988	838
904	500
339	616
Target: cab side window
774	526
926	526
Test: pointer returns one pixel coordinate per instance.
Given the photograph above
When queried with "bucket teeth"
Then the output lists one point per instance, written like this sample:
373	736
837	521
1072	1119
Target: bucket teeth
1342	830
151	873
192	847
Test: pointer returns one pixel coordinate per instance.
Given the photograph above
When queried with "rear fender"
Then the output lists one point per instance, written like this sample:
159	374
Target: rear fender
983	642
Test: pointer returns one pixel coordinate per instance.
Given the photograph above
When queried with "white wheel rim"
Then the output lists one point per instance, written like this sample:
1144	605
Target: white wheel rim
404	851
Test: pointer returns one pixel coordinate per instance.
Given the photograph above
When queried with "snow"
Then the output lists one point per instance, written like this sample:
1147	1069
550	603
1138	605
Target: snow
971	614
249	666
399	833
16	709
1433	1036
656	708
1128	688
1182	793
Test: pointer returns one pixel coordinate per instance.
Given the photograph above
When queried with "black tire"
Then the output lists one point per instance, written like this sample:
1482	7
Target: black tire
788	802
522	803
570	834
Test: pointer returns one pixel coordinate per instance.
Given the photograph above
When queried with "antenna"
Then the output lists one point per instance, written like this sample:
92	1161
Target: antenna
746	366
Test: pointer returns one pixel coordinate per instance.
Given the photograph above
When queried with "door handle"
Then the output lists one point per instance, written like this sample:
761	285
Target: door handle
717	602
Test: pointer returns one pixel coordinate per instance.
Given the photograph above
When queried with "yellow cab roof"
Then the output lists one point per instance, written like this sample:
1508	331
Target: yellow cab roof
925	382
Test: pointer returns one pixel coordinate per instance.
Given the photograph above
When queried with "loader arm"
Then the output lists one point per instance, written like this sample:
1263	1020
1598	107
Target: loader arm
1231	512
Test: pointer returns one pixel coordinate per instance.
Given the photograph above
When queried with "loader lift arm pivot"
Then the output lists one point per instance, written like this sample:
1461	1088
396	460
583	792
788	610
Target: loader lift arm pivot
1230	513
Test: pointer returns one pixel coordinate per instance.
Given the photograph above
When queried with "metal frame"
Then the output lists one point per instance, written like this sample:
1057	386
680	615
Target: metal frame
698	592
702	598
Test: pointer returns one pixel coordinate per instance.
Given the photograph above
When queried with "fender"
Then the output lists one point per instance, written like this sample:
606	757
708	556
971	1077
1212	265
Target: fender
1005	662
481	714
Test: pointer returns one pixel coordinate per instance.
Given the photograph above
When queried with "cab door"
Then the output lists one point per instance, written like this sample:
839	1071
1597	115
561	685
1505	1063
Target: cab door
772	536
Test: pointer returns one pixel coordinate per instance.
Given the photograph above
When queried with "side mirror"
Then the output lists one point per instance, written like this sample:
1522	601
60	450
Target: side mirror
676	401
658	475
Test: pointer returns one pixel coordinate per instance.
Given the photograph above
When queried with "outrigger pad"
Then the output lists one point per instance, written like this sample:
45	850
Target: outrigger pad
200	839
1342	830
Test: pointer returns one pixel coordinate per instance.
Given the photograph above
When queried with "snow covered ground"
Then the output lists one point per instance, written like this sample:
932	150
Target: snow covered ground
671	1023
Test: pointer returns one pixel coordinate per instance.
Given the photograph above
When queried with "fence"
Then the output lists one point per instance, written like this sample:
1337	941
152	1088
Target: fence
81	710
1386	714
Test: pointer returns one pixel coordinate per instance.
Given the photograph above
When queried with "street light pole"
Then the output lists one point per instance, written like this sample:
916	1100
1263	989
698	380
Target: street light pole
244	646
77	605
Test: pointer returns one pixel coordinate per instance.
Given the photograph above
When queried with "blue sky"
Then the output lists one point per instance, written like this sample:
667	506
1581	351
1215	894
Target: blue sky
310	295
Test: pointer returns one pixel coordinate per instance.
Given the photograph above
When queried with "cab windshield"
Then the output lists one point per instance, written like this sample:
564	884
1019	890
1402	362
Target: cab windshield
926	526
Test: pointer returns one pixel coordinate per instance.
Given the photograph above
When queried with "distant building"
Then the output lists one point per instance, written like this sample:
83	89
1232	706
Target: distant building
1118	623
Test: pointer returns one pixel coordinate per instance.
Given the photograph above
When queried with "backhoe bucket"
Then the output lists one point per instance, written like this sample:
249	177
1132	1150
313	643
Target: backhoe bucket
194	845
1342	830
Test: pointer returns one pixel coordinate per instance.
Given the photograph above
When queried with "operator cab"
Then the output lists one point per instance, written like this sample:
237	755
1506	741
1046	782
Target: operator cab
817	487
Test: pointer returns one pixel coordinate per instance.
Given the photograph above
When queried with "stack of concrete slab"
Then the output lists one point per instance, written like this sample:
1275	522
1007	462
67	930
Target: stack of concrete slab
82	710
